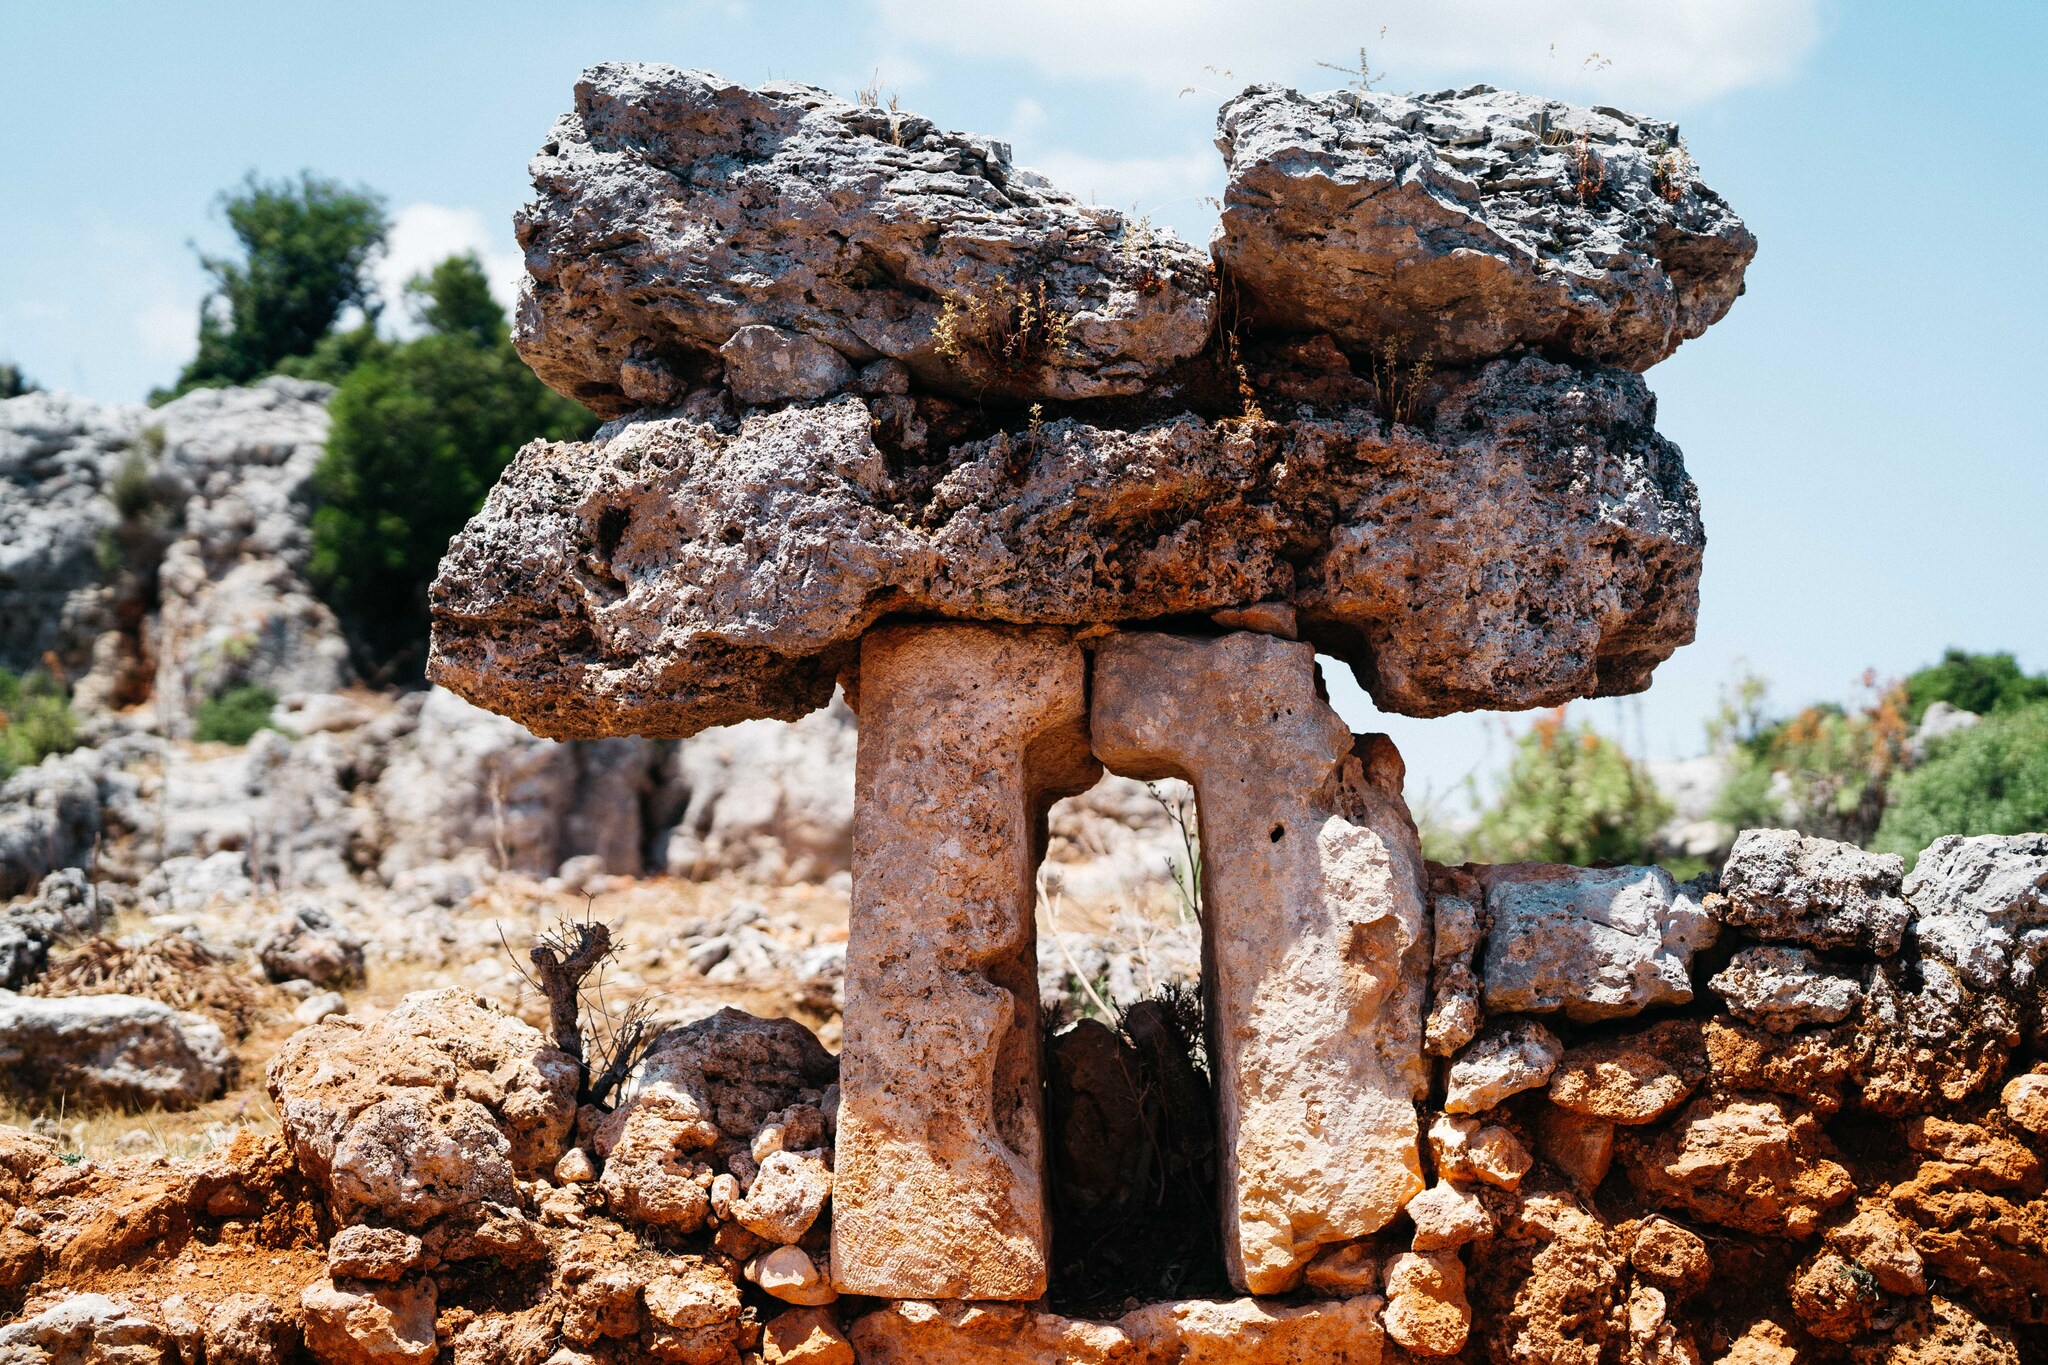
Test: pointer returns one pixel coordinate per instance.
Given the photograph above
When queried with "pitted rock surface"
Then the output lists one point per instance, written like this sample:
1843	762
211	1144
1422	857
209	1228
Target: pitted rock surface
1462	225
675	208
1542	544
433	1110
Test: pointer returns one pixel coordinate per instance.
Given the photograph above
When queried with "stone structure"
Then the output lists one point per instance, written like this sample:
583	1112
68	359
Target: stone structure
1045	490
1315	941
968	735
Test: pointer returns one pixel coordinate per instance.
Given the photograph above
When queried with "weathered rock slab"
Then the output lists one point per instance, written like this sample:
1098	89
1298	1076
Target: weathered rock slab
673	209
118	1050
1227	1332
1543	544
968	734
1595	943
1316	940
1461	225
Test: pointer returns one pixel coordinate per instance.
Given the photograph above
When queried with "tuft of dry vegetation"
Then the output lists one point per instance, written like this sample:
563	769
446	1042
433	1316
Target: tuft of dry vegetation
1010	330
171	969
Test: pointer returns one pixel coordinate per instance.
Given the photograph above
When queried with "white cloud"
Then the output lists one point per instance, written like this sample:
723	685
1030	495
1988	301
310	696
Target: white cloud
423	235
1659	53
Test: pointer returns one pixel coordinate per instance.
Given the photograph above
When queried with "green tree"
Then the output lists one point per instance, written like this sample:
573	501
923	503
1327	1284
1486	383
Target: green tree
13	383
1989	779
1571	795
1982	683
307	247
421	430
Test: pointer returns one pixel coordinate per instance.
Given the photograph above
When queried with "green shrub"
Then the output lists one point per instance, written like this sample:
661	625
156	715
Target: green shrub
1824	771
234	716
13	383
421	430
1989	779
307	247
1982	683
1571	795
35	720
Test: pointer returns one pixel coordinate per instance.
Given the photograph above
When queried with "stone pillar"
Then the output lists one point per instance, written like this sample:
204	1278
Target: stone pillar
968	734
1316	952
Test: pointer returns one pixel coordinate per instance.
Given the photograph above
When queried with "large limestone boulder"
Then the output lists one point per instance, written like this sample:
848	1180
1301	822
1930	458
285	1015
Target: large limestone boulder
110	1050
433	1110
679	216
1594	943
1460	226
1540	542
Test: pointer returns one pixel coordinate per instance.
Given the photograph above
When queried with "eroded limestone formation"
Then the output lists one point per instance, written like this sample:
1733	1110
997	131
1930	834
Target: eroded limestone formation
968	734
1316	948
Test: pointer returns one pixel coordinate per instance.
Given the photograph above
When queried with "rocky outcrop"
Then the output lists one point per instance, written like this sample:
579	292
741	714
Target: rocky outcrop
1462	225
678	575
116	1050
196	515
679	216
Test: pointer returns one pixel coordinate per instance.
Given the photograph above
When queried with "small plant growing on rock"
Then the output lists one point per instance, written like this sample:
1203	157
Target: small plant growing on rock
568	972
1672	170
1010	330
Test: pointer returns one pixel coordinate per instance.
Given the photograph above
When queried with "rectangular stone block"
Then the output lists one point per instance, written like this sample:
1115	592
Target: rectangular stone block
968	734
1316	950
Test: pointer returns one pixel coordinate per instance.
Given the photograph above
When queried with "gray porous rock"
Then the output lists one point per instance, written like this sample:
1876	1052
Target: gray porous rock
1982	910
1785	887
674	208
65	905
59	456
1508	1058
85	1329
116	1050
1542	543
1785	988
1458	226
49	818
1596	943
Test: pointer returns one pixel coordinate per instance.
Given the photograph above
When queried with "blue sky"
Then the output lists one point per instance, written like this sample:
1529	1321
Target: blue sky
1865	427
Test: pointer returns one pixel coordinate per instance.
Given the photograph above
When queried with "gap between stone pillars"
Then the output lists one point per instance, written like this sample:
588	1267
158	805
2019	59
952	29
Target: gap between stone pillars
968	734
1315	942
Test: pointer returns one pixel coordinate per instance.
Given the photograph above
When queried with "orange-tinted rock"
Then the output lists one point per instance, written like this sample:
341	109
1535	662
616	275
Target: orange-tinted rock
1993	1163
1765	1343
1835	1297
967	736
1426	1310
1580	1147
1810	1065
1671	1257
1464	1149
1317	948
1755	1163
1636	1078
1940	1331
805	1336
2026	1101
1231	1332
1878	1240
